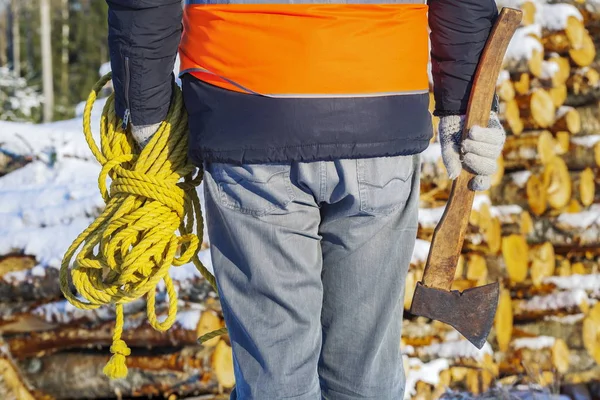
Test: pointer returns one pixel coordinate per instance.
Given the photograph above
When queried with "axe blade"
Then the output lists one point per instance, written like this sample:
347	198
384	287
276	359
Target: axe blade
470	312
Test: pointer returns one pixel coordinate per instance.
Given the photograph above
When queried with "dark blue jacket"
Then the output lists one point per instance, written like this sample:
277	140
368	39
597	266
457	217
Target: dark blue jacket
239	128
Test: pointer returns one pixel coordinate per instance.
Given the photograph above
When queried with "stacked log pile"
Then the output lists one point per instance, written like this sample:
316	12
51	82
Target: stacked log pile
537	230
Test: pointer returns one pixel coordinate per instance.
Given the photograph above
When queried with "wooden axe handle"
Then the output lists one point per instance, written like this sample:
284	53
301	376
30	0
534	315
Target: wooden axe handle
449	234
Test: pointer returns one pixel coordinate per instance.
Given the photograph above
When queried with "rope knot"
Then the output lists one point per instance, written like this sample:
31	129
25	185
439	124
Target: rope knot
120	347
116	368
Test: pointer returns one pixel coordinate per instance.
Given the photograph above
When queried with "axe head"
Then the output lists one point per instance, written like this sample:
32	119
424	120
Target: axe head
470	312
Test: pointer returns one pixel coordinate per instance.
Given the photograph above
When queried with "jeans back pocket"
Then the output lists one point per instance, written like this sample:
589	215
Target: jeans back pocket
385	183
256	189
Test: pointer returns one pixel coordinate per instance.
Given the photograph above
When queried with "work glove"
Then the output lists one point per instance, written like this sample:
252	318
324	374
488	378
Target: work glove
143	133
478	153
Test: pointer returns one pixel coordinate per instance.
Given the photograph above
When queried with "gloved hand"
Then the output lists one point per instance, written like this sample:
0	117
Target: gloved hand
478	153
143	133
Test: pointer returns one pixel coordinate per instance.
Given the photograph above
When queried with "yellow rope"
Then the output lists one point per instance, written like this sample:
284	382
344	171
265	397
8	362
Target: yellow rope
130	247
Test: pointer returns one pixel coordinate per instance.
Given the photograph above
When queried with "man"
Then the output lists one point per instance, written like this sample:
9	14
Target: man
309	119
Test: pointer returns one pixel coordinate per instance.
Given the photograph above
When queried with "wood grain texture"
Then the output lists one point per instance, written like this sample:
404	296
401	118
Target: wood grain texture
449	235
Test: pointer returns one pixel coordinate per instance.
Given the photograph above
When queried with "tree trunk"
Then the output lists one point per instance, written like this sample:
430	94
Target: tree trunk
16	37
3	35
64	73
46	60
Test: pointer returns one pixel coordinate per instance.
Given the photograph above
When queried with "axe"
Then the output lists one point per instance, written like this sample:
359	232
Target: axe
470	312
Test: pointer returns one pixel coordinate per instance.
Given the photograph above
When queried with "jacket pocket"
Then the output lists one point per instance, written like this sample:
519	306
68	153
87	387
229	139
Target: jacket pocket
385	183
256	189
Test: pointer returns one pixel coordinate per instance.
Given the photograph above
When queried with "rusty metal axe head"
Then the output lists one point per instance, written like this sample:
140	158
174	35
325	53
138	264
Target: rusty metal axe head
470	312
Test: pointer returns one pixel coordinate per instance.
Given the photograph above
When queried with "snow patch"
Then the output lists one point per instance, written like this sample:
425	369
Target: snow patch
188	319
554	17
549	69
504	75
419	371
432	154
556	301
536	343
586	141
582	220
583	282
524	43
566	319
429	217
456	349
421	252
520	178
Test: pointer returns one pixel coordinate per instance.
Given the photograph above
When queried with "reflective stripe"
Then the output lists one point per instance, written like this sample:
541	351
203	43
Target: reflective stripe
308	50
208	2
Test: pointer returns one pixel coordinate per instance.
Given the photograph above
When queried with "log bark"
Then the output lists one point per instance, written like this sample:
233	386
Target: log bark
589	116
38	344
583	87
35	286
568	329
583	153
567	234
15	262
182	373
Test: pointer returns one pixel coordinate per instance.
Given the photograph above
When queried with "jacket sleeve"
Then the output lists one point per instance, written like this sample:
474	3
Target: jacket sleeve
143	36
459	30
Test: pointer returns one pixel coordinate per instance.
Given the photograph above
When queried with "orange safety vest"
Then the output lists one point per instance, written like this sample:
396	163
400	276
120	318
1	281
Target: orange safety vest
307	49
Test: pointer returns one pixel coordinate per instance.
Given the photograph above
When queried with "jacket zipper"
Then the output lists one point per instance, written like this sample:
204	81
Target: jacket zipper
127	113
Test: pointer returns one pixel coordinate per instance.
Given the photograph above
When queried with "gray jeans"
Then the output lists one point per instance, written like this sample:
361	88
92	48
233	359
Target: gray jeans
310	260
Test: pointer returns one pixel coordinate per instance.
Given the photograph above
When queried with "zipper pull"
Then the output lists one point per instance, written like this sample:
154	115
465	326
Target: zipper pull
125	119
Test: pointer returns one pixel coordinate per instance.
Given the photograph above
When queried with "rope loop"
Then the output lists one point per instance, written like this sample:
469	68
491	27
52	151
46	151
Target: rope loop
147	226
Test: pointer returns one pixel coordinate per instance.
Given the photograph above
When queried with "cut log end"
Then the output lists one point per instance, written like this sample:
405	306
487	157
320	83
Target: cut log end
515	253
557	182
536	195
503	323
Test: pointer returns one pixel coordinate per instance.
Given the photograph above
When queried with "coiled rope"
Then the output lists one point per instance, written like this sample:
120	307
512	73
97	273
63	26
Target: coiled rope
130	247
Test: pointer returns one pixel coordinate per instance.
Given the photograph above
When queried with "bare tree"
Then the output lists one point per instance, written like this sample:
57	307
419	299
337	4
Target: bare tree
3	34
64	72
46	60
16	37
